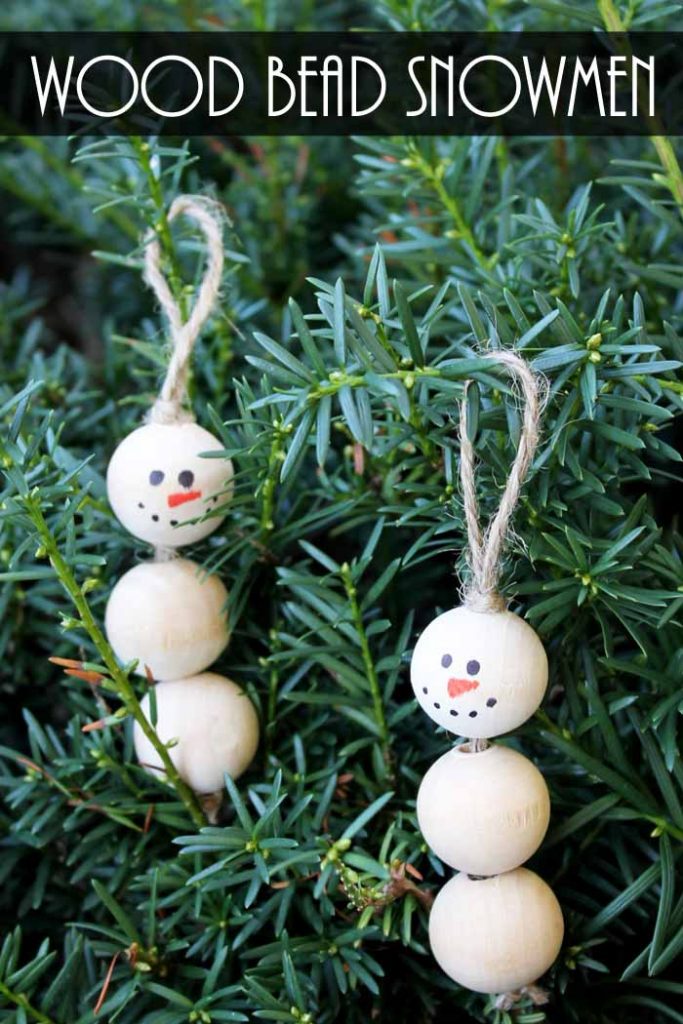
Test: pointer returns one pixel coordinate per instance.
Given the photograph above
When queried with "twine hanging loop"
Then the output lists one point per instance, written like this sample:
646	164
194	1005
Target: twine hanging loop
485	548
170	405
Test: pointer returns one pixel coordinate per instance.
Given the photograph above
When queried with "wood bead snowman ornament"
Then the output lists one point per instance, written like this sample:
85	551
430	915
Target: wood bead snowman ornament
480	671
166	614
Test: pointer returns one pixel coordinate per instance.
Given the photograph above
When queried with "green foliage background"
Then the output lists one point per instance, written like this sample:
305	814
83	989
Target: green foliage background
363	279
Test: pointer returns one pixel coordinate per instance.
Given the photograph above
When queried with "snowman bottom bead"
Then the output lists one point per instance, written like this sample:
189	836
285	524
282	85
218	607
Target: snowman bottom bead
484	812
211	724
496	935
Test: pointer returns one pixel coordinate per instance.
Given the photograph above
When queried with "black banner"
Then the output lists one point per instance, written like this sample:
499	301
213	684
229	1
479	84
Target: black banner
384	83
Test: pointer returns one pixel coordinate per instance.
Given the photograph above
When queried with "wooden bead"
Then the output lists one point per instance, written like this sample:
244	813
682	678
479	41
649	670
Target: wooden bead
170	616
483	813
157	482
497	934
479	674
214	726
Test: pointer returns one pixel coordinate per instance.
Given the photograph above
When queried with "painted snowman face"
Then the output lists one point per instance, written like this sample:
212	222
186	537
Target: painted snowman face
157	482
479	674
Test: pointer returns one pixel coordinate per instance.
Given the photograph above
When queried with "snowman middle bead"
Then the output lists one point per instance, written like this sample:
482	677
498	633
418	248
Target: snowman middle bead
169	617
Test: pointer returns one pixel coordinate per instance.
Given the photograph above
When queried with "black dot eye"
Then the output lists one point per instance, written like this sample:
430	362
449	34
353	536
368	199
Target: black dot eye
491	702
473	667
446	660
156	477
473	714
186	478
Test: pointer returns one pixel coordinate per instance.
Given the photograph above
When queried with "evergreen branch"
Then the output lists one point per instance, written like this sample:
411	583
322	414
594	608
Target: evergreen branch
273	686
76	181
162	226
75	798
22	1001
268	489
665	151
119	679
434	176
611	17
368	660
22	190
674	174
638	799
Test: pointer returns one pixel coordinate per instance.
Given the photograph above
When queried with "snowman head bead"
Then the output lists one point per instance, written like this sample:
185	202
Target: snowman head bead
479	673
161	488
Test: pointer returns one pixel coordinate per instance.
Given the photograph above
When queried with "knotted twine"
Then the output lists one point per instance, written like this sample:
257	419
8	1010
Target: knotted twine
485	548
170	406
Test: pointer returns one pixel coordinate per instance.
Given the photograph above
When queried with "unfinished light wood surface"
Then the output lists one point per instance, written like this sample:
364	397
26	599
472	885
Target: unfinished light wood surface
479	673
497	934
170	616
211	724
485	812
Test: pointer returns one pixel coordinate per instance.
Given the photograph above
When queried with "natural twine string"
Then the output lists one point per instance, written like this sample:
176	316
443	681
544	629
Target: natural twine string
170	405
485	549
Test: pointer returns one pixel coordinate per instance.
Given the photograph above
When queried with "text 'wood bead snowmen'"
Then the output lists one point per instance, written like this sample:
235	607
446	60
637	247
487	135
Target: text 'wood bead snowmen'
496	934
211	724
485	812
157	482
170	616
479	674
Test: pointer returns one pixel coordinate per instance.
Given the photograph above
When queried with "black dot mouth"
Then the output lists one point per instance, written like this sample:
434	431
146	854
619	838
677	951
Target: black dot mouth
155	519
140	505
473	714
454	713
173	522
438	706
425	689
491	702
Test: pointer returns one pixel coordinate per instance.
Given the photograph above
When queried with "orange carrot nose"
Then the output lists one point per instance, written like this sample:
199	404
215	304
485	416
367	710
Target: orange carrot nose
179	499
456	687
